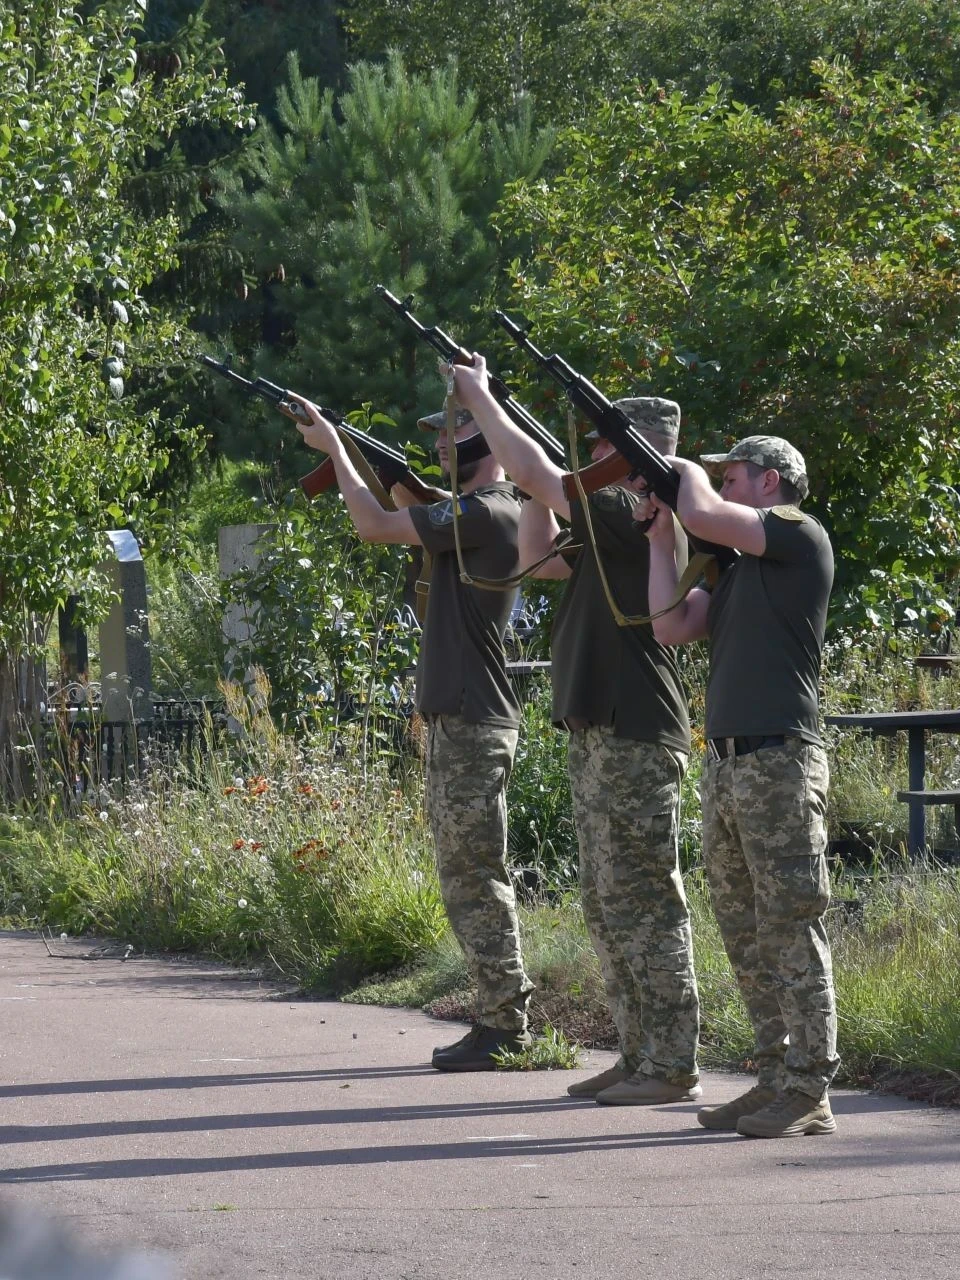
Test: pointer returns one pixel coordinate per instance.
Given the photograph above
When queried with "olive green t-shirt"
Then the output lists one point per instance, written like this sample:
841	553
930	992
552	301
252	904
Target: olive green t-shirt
462	667
766	622
608	675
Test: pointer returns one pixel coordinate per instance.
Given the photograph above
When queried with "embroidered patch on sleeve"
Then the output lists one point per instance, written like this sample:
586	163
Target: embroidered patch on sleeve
793	514
441	513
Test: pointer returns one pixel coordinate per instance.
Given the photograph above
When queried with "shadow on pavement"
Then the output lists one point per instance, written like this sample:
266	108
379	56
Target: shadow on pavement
11	1134
100	1170
135	1084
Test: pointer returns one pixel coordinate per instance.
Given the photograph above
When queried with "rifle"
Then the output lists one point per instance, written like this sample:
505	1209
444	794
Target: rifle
390	465
637	457
445	346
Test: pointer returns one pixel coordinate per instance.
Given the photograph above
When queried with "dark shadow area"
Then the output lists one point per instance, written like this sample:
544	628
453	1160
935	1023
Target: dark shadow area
10	1134
148	1083
101	1170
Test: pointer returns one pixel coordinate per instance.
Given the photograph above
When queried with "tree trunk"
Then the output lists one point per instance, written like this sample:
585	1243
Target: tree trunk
22	698
11	779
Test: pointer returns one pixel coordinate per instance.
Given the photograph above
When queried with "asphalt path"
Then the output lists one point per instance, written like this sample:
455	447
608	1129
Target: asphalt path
241	1132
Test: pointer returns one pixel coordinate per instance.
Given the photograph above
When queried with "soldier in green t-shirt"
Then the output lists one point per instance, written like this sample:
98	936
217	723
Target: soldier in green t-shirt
765	776
618	692
472	715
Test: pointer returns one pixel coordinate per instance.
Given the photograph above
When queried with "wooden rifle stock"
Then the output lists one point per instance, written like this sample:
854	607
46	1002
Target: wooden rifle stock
609	470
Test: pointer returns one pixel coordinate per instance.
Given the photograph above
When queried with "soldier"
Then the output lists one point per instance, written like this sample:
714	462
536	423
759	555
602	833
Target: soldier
465	696
618	693
765	777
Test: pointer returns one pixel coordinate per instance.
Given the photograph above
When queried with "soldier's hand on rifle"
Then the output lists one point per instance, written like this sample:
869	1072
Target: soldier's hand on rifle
320	433
656	517
402	497
471	382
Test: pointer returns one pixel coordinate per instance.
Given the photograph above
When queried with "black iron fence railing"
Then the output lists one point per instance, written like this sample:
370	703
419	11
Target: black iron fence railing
89	750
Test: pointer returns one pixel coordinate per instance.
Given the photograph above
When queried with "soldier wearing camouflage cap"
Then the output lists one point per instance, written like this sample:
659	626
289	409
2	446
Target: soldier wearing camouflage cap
619	695
765	777
466	699
766	452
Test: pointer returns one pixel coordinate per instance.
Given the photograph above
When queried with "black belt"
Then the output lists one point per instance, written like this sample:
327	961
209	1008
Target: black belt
720	748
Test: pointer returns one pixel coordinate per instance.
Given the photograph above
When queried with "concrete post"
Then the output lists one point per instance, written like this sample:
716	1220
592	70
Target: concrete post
239	553
125	670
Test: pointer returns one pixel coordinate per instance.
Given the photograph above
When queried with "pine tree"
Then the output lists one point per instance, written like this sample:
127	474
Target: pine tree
393	182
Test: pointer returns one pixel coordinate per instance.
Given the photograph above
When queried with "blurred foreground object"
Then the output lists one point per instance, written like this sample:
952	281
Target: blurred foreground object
33	1247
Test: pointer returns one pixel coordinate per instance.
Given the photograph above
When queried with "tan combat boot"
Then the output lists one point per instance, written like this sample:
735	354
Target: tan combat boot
725	1117
591	1087
641	1090
791	1114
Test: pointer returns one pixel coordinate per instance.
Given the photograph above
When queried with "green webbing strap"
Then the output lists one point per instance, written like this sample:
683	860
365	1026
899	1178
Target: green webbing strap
484	584
697	566
366	472
372	481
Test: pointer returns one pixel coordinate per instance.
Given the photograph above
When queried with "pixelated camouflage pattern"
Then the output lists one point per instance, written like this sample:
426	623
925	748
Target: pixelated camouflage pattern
764	841
766	452
650	413
468	766
437	421
626	801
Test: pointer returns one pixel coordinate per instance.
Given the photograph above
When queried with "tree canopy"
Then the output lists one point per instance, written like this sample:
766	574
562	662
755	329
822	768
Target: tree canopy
394	181
78	113
796	275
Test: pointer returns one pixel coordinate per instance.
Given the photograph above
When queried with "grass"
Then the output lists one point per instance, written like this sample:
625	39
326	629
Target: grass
550	1051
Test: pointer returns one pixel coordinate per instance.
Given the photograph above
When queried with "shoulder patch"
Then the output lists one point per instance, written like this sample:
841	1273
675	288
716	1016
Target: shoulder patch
793	514
441	513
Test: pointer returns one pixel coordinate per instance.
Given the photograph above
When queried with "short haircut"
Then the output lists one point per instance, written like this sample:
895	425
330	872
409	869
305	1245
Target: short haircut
789	492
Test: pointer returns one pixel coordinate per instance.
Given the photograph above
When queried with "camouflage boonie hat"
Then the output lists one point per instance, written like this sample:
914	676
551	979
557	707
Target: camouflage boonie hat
649	413
437	421
766	452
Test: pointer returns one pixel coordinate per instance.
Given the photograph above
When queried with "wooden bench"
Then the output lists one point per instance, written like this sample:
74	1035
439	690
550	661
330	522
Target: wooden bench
938	663
933	797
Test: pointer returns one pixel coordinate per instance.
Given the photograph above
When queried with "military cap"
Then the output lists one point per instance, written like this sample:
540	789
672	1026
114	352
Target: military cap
649	413
767	452
437	421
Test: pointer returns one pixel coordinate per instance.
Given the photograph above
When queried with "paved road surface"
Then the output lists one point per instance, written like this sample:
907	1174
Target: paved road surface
248	1134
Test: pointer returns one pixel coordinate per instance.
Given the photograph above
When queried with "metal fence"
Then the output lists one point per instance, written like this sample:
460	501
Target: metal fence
90	751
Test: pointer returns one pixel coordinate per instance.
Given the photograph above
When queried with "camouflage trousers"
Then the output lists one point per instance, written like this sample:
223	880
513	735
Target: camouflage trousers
468	766
626	802
764	840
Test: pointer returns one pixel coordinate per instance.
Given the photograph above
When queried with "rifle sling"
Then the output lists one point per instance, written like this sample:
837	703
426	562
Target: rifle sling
372	481
697	567
484	584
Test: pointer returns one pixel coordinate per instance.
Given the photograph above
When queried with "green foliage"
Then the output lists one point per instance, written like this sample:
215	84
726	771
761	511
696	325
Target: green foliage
571	54
186	617
866	771
256	38
284	857
762	52
896	966
541	834
392	182
796	276
560	51
78	340
550	1051
328	630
